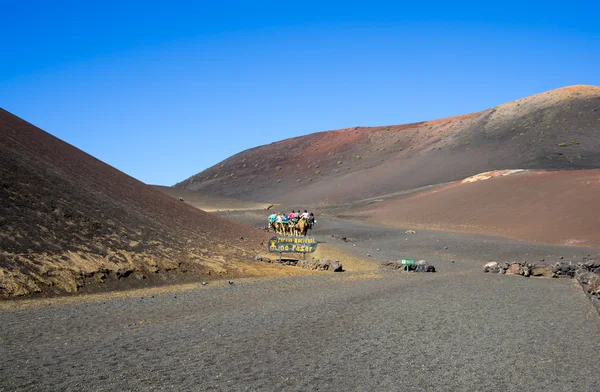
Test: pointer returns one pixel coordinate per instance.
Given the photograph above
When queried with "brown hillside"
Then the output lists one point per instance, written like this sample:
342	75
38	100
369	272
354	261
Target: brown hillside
210	203
556	207
559	129
68	220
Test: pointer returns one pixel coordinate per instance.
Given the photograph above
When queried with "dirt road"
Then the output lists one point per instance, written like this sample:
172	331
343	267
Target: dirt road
458	329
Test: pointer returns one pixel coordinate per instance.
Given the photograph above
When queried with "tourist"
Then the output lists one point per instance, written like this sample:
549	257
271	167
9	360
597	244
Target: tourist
272	219
311	220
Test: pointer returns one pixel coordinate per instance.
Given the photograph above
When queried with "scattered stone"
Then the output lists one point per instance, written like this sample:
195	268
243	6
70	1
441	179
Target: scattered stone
410	232
258	258
594	285
562	269
543	271
321	265
492	266
419	266
204	283
230	282
335	266
514	269
523	269
422	266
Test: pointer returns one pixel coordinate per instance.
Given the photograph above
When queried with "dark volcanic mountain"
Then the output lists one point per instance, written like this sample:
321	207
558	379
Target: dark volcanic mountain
559	129
68	220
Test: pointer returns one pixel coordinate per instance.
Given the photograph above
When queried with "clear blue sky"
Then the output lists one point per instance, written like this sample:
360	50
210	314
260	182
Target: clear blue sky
163	90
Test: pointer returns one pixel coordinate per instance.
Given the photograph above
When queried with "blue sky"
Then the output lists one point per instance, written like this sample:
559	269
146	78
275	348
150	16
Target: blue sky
163	90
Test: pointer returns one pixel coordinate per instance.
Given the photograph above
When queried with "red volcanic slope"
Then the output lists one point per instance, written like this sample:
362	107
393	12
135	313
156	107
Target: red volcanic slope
556	130
64	212
551	207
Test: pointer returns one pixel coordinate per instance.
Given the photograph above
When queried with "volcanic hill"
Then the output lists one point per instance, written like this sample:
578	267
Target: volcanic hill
556	130
68	220
556	207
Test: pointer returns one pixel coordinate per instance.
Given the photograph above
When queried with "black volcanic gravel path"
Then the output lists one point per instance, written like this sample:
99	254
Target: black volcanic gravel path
456	330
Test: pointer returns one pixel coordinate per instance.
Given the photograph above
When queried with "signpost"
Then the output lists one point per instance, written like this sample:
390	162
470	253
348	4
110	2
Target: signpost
292	244
407	263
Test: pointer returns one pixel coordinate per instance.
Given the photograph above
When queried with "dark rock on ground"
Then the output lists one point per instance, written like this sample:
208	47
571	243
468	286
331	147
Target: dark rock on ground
423	266
419	266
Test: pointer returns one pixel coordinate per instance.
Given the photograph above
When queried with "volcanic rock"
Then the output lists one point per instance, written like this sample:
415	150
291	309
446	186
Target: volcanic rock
419	266
321	265
543	271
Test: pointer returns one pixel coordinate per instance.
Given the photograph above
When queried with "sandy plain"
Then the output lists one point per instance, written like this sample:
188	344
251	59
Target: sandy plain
364	329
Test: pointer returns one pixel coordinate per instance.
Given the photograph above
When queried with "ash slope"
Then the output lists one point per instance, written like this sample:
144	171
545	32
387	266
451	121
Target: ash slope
559	129
68	220
554	207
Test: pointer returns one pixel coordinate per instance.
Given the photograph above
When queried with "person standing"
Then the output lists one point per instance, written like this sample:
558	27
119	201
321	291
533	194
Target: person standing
311	220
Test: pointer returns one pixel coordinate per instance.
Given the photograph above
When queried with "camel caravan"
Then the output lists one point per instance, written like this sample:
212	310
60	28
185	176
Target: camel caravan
293	224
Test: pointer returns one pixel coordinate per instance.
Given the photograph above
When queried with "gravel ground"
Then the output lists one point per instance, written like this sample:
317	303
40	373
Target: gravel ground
455	330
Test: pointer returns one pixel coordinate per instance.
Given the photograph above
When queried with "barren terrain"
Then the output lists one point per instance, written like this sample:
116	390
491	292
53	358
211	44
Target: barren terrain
457	329
552	207
559	129
69	222
210	203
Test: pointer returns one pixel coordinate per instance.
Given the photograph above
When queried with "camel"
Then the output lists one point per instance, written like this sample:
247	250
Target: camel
298	229
279	228
274	226
301	227
290	228
283	228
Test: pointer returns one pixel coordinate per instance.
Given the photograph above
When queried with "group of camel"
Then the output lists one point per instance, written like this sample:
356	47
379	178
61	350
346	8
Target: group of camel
299	228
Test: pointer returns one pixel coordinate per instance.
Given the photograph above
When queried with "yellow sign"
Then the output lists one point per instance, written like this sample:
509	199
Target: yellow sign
292	244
